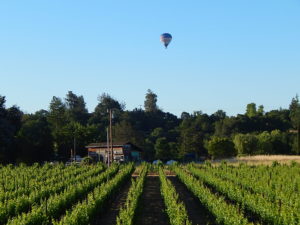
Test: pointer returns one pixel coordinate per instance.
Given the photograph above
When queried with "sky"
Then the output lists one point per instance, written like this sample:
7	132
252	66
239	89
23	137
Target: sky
224	54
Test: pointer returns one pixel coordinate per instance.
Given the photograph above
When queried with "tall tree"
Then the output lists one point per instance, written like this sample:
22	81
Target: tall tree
251	110
10	123
14	116
150	102
185	115
162	149
295	119
76	109
58	119
219	115
106	102
57	113
125	132
193	132
260	110
35	143
2	107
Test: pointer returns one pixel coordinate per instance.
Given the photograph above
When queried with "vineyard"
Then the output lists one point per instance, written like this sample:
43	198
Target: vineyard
150	194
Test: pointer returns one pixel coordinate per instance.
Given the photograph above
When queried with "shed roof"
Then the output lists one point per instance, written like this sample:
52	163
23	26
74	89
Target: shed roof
115	144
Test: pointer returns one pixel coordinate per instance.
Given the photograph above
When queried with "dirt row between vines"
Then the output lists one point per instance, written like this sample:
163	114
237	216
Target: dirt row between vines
152	209
109	215
197	213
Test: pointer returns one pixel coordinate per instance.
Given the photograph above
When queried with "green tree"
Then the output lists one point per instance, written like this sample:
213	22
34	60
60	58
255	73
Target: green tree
260	110
295	119
6	132
35	143
10	123
2	105
157	133
264	143
57	113
76	137
225	127
191	139
162	150
150	142
75	108
251	110
58	119
277	119
150	102
219	115
100	114
193	132
174	150
219	147
185	115
280	142
245	143
125	132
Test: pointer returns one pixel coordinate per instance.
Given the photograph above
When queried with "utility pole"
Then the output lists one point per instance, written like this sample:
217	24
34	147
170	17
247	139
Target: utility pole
110	133
107	148
71	158
74	148
109	145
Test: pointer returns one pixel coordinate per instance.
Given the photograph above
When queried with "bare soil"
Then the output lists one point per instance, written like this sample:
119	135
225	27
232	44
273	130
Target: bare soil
197	213
152	210
109	215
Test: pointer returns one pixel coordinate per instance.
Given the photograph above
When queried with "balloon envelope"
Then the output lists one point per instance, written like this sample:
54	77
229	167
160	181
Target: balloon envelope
166	38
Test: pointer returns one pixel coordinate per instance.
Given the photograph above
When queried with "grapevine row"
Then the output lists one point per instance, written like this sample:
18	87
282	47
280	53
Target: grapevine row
225	213
127	214
84	212
175	209
49	186
269	212
266	189
57	204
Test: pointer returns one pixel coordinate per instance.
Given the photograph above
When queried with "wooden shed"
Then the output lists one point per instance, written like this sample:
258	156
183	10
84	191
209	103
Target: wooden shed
122	152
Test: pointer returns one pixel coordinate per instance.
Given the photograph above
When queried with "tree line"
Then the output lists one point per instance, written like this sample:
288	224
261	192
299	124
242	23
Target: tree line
51	134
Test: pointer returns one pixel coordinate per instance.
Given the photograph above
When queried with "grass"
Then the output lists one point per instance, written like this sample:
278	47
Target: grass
261	159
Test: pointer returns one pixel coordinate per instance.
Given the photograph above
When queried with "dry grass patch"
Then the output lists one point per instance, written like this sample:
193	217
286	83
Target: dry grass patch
262	159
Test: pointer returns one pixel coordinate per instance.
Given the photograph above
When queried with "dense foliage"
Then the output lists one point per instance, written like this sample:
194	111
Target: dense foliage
67	125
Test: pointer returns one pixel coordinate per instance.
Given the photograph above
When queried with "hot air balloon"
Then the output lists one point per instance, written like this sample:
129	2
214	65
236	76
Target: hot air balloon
166	39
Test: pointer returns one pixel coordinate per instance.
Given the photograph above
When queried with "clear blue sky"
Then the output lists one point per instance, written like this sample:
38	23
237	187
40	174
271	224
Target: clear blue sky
224	54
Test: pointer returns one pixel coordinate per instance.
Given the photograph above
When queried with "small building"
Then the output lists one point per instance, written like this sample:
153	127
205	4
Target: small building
122	152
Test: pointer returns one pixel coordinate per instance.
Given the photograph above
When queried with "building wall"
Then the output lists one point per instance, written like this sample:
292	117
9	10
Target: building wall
120	153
